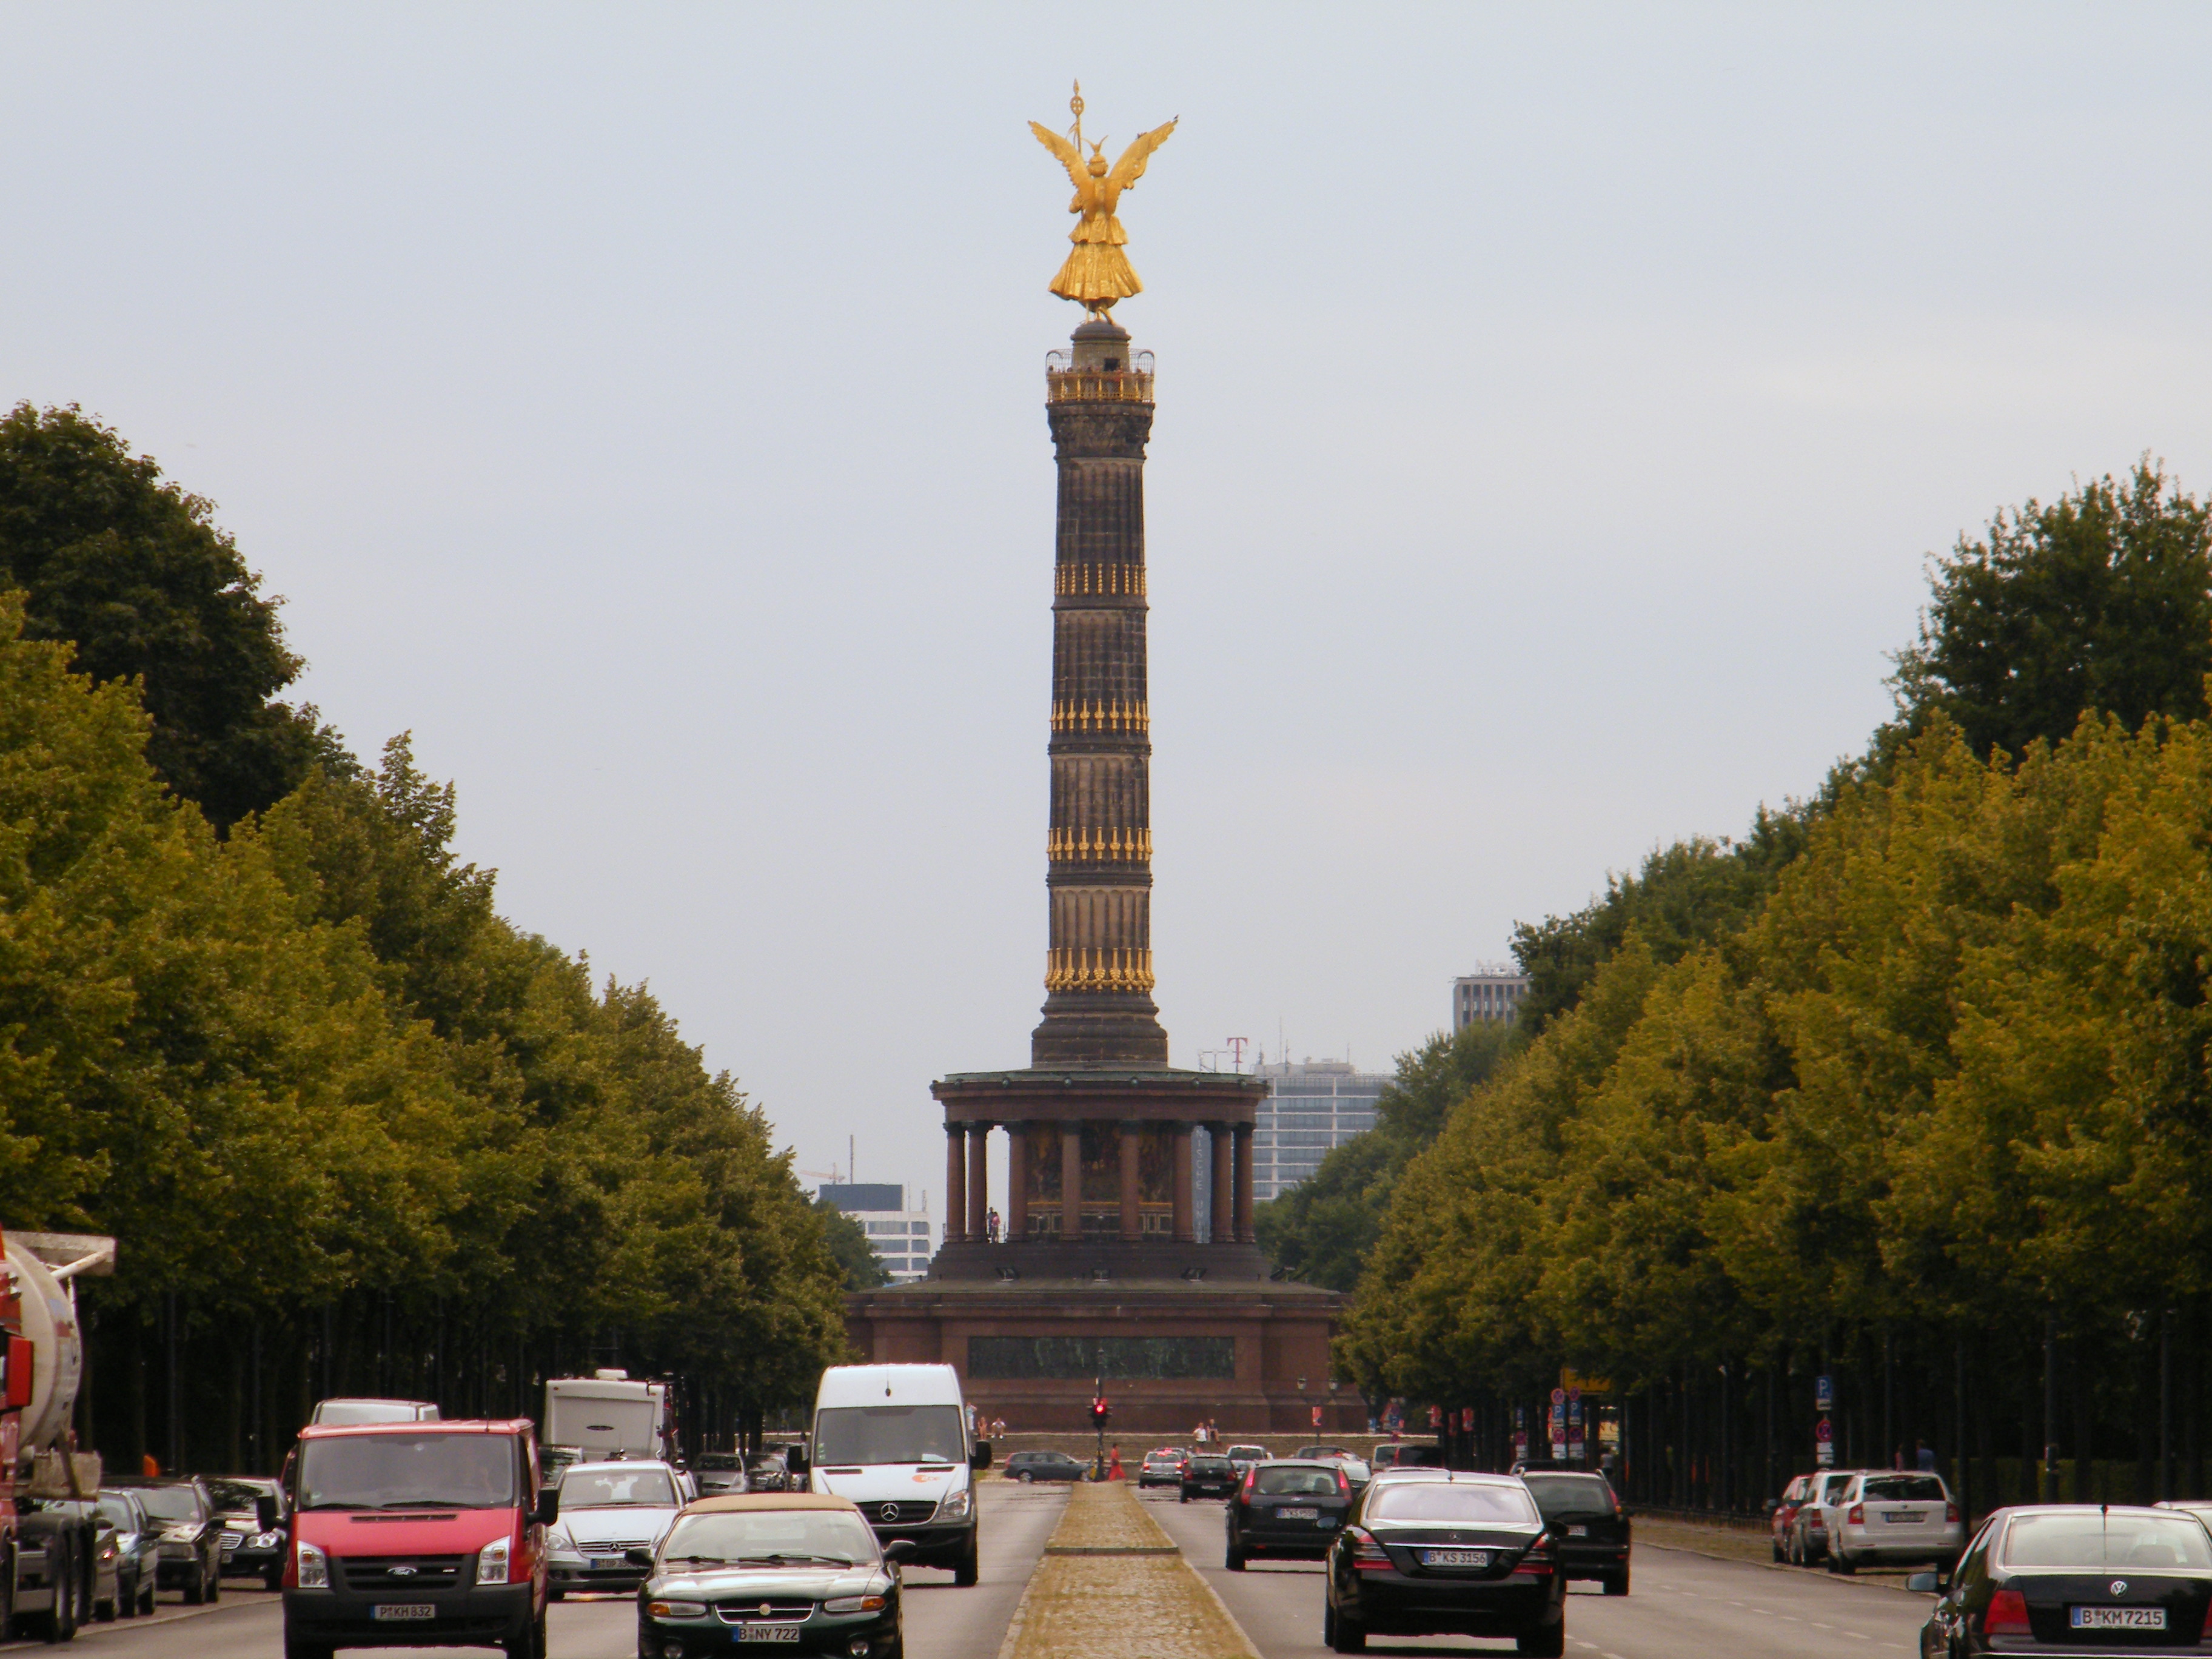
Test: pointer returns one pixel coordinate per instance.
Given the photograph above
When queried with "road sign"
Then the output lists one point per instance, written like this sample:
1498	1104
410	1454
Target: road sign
1558	1396
1570	1378
1824	1431
1824	1393
1316	1417
1824	1454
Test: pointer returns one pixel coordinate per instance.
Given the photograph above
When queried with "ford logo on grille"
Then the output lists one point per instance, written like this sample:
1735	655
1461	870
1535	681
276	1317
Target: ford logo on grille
889	1511
403	1571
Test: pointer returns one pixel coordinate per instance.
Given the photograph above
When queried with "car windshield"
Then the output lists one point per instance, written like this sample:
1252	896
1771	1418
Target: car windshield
237	1494
1572	1494
171	1503
837	1535
119	1510
1209	1465
888	1434
1437	1500
345	1411
1249	1454
604	1489
1905	1488
1322	1451
1287	1479
718	1461
405	1471
2088	1538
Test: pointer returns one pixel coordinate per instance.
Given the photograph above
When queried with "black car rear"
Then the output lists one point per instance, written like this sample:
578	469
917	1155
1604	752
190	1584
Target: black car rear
1589	1528
2081	1579
1286	1510
1208	1477
1461	1554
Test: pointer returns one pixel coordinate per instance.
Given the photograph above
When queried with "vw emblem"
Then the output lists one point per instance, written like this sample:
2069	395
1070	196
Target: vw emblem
403	1571
2119	1587
889	1511
767	1607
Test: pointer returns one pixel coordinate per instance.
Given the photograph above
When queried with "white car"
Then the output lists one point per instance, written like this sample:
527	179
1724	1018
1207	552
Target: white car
606	1510
1808	1532
1894	1518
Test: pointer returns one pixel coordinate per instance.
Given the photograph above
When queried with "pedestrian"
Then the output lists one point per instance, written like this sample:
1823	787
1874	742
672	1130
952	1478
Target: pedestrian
1927	1458
1114	1464
998	1428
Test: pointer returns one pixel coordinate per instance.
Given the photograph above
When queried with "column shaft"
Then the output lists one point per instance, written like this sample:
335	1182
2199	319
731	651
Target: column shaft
1243	1136
1017	1181
1070	1182
979	1178
1222	1225
1186	1197
1132	1219
955	1184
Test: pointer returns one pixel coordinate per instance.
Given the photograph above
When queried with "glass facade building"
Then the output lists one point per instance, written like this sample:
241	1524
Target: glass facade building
1491	992
1310	1107
901	1237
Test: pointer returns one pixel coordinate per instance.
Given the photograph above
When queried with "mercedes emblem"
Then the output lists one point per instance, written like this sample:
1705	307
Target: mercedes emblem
889	1511
402	1571
2119	1587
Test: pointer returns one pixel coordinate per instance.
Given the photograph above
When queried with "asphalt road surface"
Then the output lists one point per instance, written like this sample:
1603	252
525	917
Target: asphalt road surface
1683	1606
942	1622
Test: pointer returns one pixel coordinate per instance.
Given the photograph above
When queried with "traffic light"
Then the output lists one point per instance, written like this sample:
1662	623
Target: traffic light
1100	1411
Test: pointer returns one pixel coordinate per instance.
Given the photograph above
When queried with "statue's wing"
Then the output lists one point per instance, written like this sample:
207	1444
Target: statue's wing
1131	166
1070	157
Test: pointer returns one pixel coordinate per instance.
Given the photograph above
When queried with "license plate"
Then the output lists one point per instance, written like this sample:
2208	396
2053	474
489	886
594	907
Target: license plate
768	1633
2117	1617
1455	1558
383	1611
1915	1517
1577	1532
1297	1515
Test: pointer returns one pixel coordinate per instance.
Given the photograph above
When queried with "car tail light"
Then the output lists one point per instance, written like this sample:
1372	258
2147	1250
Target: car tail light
1250	1475
1535	1561
1858	1517
1951	1515
1343	1484
2007	1615
1367	1555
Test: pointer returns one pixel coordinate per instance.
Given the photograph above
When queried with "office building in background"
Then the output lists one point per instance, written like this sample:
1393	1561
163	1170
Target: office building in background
900	1237
1311	1106
1492	991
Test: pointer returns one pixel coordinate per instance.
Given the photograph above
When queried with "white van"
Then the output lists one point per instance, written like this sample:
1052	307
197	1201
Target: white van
894	1439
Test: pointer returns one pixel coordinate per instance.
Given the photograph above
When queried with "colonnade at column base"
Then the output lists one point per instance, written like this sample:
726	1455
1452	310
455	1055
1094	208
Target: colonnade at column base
1101	1260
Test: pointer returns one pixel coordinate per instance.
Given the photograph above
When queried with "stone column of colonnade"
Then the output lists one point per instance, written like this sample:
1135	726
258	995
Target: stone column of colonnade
1222	1224
979	1181
966	1180
956	1183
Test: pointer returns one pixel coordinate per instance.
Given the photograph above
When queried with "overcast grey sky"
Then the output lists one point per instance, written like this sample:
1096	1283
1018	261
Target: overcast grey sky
642	405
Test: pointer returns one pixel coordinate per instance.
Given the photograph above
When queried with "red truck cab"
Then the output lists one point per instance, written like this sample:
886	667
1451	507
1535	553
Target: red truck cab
416	1534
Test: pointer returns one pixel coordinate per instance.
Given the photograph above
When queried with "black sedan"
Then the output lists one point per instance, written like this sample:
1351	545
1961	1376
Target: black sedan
2074	1579
767	1472
191	1559
1028	1466
1287	1509
1207	1476
1460	1554
248	1547
1588	1527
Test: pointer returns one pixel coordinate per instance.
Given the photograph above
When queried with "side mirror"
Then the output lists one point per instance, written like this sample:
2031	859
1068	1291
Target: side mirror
899	1549
1924	1583
979	1457
264	1511
638	1558
549	1506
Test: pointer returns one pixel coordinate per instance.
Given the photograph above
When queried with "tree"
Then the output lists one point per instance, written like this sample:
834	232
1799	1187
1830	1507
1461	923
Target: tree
2102	600
848	1247
131	570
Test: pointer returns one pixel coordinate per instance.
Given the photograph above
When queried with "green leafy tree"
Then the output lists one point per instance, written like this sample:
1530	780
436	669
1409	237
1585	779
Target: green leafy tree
848	1247
2100	601
131	570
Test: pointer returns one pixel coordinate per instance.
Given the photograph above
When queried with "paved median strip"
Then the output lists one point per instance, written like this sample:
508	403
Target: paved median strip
1112	1585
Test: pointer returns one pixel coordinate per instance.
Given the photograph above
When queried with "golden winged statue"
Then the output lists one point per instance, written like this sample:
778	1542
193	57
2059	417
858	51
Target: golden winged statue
1098	273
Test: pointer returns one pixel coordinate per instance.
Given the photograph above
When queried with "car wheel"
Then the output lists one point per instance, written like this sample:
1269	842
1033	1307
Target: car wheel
61	1623
146	1588
128	1606
1778	1550
1183	1496
104	1611
196	1591
1616	1583
1346	1635
968	1568
295	1648
1233	1558
555	1595
1026	1477
1549	1642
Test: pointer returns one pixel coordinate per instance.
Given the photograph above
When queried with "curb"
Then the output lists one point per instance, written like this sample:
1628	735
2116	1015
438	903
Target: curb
1779	1566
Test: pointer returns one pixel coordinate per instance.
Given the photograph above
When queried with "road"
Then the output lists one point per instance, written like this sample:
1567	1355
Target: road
1683	1606
942	1622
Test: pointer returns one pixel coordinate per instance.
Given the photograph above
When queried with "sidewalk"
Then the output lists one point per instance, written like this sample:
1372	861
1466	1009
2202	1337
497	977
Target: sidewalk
1726	1543
1112	1585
